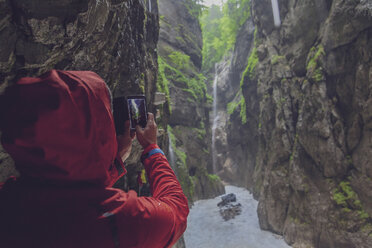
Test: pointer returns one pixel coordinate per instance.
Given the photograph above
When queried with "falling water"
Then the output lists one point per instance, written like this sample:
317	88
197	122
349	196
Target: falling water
172	158
215	120
275	6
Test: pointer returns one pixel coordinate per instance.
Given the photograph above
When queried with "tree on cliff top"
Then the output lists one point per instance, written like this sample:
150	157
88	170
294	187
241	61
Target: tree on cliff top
220	27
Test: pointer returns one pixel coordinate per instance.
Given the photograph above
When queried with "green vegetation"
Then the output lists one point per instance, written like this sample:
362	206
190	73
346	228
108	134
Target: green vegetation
251	66
220	27
318	75
313	65
275	59
187	182
367	228
178	69
348	199
194	7
248	72
232	106
179	60
200	133
162	83
214	178
314	60
243	110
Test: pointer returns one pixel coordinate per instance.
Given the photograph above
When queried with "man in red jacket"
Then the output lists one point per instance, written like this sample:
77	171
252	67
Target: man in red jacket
59	130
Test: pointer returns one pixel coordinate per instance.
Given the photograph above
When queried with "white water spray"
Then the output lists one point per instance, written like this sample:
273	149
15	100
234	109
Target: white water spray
215	121
275	6
172	158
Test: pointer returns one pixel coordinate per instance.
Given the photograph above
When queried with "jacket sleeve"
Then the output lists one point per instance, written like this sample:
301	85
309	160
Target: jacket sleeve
160	220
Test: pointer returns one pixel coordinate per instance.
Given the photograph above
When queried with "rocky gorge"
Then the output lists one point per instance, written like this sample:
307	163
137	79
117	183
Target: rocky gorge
186	113
296	130
294	101
116	39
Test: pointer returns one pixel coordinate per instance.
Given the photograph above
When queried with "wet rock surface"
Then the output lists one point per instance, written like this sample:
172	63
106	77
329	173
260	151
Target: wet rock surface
115	39
187	109
226	199
304	149
228	207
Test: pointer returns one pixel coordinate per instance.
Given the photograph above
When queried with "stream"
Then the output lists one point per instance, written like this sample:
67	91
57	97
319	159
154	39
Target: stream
207	229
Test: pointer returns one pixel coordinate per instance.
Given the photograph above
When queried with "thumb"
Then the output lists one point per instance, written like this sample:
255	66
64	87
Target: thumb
139	131
139	134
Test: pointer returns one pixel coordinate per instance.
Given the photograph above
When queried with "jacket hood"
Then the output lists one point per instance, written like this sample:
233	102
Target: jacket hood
60	127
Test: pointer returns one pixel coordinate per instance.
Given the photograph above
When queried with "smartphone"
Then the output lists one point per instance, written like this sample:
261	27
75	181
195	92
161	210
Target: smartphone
120	111
137	111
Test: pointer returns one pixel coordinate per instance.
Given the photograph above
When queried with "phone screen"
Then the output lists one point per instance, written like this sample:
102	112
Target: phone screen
137	111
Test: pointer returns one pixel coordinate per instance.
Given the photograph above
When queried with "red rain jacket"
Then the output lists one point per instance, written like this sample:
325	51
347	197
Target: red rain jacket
59	130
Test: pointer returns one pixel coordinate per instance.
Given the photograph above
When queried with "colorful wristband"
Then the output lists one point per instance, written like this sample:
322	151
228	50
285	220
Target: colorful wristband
150	153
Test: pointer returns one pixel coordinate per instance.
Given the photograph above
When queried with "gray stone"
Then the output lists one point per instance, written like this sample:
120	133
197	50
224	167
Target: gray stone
115	38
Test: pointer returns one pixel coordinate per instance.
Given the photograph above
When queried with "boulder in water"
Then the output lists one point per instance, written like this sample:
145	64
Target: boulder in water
228	209
226	199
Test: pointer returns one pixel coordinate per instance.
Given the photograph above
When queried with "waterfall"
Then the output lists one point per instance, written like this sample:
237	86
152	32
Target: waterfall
276	14
172	158
215	121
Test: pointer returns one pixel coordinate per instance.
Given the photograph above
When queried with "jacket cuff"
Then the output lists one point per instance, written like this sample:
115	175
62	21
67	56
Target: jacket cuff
149	148
149	151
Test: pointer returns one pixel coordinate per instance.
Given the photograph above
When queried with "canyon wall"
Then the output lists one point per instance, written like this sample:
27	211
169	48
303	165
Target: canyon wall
299	126
116	39
186	112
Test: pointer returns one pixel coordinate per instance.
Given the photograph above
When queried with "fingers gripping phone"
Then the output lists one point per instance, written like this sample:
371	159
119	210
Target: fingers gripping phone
137	111
132	108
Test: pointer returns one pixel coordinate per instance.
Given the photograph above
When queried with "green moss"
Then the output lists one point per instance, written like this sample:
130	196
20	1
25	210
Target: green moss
232	106
318	75
200	133
243	110
179	60
162	83
175	72
348	199
251	66
276	58
314	60
187	182
193	7
214	178
209	98
367	228
363	215
314	67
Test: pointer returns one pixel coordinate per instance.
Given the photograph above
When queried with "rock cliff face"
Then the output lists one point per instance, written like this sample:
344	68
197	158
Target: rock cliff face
115	38
187	110
307	133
